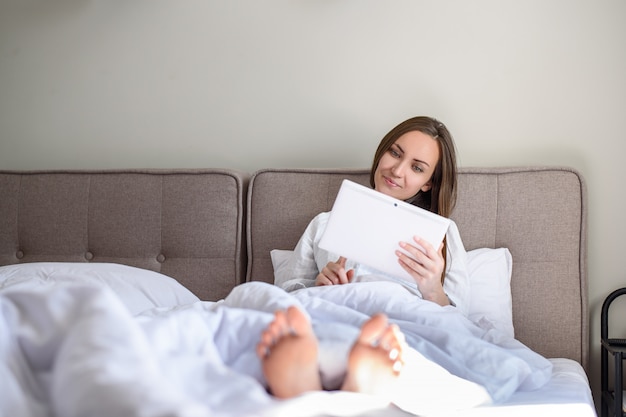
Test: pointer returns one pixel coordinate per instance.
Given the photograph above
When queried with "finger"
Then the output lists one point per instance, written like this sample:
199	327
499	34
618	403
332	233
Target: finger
337	272
424	245
430	259
416	253
342	276
330	273
322	280
410	262
350	275
330	278
413	268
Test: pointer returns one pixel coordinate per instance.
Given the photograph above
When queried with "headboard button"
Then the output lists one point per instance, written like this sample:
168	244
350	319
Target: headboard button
160	258
88	256
19	254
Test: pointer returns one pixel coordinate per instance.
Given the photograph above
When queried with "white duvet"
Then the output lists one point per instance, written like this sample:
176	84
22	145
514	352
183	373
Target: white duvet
75	350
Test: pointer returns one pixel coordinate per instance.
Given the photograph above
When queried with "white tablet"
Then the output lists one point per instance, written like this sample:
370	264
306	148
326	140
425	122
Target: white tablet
366	226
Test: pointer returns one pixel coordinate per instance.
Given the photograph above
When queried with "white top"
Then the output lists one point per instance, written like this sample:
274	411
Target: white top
308	259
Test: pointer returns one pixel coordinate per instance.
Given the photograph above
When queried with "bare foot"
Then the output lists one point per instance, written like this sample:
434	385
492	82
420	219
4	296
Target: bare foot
288	352
375	360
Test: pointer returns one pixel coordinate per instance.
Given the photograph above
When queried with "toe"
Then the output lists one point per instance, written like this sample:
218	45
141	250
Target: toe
297	321
373	329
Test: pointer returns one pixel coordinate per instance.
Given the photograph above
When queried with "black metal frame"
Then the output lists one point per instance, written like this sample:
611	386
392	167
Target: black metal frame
611	399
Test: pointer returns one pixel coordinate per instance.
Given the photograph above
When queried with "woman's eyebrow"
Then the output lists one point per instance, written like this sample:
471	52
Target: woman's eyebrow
416	160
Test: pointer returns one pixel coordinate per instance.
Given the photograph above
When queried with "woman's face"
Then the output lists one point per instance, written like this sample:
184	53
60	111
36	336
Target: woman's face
407	167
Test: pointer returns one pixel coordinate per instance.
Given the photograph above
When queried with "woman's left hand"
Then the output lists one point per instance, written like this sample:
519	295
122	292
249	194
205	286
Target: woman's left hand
425	265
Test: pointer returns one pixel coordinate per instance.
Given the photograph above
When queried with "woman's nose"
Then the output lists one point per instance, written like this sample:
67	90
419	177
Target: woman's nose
397	169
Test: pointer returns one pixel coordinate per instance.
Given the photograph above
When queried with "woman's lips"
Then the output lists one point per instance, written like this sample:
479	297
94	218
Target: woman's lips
390	182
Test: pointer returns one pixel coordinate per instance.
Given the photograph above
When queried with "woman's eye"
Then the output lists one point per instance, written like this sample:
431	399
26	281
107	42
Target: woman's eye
417	168
394	153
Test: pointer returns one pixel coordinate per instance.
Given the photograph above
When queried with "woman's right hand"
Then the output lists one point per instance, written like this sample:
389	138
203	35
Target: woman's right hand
334	273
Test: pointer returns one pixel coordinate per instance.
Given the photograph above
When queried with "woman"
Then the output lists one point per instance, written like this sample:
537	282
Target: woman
414	162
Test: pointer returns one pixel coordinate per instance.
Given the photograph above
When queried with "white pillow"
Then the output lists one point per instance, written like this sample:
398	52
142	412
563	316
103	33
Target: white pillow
138	289
490	288
489	273
280	258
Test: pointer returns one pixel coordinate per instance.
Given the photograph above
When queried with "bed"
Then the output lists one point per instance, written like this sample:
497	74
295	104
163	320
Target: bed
135	256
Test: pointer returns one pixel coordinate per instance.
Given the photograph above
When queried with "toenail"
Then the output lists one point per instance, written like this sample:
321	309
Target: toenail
393	354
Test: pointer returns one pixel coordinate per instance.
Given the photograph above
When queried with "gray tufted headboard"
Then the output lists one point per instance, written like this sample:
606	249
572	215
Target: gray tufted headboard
212	229
183	223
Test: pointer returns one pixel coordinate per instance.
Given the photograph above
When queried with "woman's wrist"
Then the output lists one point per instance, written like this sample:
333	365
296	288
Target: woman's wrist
439	297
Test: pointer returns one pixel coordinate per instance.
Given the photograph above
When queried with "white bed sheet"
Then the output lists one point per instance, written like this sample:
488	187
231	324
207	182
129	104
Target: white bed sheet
566	394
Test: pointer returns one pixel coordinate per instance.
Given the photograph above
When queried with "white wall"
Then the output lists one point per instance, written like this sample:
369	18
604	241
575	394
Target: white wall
249	84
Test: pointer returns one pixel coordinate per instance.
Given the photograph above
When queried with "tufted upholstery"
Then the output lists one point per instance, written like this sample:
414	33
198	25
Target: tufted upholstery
186	224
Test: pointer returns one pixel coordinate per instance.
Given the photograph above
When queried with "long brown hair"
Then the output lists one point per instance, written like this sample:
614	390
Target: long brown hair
441	197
